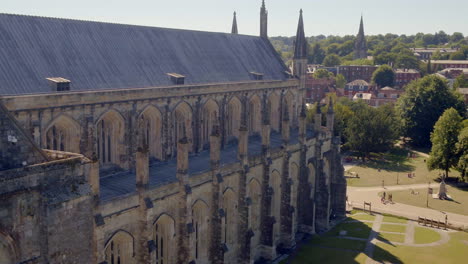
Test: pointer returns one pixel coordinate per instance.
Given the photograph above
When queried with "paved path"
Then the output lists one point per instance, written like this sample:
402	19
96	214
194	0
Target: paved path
357	196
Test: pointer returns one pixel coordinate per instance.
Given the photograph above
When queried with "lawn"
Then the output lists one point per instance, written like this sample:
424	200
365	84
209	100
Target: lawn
425	236
384	237
459	204
393	228
393	164
313	254
394	219
359	230
455	251
362	216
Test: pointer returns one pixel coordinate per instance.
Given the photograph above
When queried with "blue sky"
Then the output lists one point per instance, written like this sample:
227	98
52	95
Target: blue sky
328	17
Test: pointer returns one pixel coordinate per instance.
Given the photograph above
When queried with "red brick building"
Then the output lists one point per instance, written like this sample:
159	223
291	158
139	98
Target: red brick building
405	76
318	88
445	64
355	72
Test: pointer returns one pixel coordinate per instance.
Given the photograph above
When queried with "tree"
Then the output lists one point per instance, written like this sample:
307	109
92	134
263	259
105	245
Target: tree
459	55
317	54
371	129
407	61
360	62
322	74
444	139
383	76
422	104
460	82
331	60
340	81
456	37
462	151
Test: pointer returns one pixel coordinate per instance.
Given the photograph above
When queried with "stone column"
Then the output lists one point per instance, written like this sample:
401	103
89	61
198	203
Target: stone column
318	119
286	210
92	171
243	210
183	200
267	221
142	182
215	250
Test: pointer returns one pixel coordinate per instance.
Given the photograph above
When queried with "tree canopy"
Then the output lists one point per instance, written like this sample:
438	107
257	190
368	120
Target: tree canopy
444	139
421	106
331	60
383	76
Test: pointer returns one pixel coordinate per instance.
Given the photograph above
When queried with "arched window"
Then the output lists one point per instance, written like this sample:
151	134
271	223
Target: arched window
233	118
120	249
229	222
275	182
199	238
290	104
63	134
150	129
311	180
274	111
294	171
209	116
109	134
255	193
164	232
255	116
182	119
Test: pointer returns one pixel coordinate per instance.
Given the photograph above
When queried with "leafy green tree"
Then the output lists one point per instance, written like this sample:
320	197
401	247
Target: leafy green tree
360	62
462	151
322	74
383	76
385	58
456	37
347	48
407	61
331	60
459	55
444	139
340	81
422	104
460	82
372	129
317	54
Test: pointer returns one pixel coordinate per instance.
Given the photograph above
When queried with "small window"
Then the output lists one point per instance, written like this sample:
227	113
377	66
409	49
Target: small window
59	84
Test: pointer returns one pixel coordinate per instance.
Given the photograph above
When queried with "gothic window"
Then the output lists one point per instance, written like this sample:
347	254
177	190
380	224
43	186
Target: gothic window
63	134
274	104
312	180
255	116
164	233
255	194
150	127
233	118
182	123
229	236
109	135
119	249
209	116
289	103
294	170
199	239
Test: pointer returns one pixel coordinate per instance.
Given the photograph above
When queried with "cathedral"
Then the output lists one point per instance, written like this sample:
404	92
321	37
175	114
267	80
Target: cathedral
124	144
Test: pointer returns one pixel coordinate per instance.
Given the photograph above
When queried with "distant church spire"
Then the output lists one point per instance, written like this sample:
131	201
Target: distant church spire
360	47
263	21
234	25
300	47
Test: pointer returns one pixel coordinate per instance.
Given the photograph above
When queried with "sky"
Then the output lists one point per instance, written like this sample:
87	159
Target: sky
327	17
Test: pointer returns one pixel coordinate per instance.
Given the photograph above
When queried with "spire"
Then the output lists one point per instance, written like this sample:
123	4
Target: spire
360	47
263	21
234	25
300	49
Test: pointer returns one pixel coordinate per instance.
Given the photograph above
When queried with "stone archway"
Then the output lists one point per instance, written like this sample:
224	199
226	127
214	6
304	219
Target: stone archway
164	238
109	137
120	248
150	131
209	116
199	238
63	134
233	118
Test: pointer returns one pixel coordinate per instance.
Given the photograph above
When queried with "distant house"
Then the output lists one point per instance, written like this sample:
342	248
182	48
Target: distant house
357	86
450	74
404	76
316	89
366	97
445	64
426	53
375	98
357	72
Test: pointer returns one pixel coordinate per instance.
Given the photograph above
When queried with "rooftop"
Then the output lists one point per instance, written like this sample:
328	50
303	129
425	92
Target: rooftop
449	61
96	55
358	83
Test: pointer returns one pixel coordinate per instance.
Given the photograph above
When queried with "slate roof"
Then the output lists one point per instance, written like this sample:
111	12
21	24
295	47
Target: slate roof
95	55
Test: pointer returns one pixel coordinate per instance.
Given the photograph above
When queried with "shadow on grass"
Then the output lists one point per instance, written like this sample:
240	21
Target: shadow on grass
344	243
395	160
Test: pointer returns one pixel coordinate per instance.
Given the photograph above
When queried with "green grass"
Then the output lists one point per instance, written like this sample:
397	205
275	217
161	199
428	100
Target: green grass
310	254
459	205
393	164
393	228
362	216
425	236
453	252
394	219
391	237
359	229
341	243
